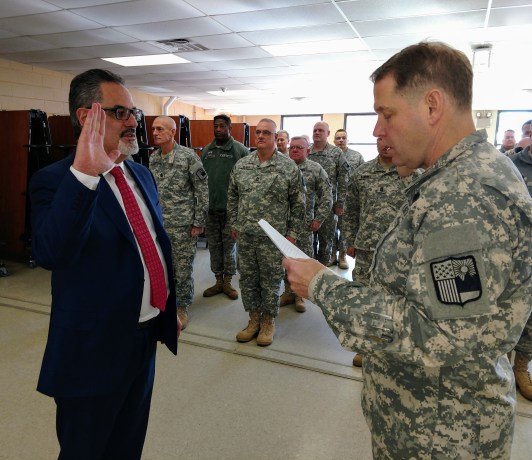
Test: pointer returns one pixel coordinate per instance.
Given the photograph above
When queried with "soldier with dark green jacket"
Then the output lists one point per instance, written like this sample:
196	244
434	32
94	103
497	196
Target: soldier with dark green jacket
218	158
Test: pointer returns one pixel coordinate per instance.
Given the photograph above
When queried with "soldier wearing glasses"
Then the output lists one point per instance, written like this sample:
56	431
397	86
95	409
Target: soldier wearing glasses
264	185
184	195
318	204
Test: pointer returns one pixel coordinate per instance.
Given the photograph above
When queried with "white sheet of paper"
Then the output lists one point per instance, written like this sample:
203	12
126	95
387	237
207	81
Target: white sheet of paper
288	249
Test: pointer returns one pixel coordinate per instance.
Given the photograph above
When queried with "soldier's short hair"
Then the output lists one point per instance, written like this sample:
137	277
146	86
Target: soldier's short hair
429	63
223	117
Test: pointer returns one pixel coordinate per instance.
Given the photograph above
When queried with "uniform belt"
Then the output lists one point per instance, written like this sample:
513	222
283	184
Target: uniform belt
149	323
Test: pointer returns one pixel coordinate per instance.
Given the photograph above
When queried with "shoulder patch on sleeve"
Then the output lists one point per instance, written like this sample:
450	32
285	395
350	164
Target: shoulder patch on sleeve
197	169
455	275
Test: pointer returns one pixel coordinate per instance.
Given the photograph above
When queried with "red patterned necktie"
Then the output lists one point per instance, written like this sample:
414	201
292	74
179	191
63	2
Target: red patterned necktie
144	239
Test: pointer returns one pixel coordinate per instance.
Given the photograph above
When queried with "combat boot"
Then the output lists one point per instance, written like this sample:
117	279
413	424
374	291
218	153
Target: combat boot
357	360
522	376
182	313
300	305
216	289
267	330
229	290
342	263
287	297
333	260
251	330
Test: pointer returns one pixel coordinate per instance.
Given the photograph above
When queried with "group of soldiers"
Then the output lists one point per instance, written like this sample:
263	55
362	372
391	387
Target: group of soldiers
324	198
300	188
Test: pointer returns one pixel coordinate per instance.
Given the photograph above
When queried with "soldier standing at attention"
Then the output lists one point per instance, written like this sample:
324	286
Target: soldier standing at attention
354	159
375	194
318	205
264	185
337	169
451	278
283	139
218	158
523	349
183	192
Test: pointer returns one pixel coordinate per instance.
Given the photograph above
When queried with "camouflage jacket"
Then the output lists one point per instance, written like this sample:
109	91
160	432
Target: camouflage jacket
336	167
450	296
374	196
273	190
318	192
182	184
354	158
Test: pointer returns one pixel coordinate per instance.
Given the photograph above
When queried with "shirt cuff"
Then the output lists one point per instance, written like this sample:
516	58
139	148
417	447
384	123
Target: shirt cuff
314	281
90	182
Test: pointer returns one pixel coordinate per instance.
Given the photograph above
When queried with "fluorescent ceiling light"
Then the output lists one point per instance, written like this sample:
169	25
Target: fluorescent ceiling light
152	59
327	46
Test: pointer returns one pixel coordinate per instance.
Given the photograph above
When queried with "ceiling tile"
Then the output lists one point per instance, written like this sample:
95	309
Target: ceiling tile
138	12
213	7
299	16
92	37
25	7
218	42
47	23
175	29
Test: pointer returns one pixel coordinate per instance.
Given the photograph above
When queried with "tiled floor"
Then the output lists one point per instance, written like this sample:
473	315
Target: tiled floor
218	399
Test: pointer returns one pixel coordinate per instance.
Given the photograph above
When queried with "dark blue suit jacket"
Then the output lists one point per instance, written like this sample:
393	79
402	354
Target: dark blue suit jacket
83	236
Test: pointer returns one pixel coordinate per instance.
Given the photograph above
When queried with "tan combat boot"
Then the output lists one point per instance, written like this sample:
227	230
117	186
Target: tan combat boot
342	263
229	290
287	297
357	360
522	376
182	313
267	330
251	330
216	289
333	260
300	305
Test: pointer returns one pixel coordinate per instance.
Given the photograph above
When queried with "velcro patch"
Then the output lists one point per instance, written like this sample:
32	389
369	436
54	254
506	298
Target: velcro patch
456	280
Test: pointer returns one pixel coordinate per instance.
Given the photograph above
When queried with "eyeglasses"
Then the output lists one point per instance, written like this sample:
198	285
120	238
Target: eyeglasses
297	147
123	113
263	132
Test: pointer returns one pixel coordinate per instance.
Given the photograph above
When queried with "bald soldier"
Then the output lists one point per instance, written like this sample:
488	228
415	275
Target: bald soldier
184	196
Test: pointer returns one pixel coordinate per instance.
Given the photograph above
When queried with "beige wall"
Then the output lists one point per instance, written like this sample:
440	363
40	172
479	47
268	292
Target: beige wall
25	87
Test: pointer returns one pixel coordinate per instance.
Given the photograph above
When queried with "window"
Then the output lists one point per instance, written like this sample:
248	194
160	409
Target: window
359	127
510	119
296	125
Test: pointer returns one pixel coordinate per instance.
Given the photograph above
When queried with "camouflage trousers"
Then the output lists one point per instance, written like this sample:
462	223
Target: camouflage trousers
261	273
183	253
222	248
363	262
338	240
525	341
325	238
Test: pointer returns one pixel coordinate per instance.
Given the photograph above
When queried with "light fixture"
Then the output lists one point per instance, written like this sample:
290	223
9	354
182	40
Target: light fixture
481	56
151	59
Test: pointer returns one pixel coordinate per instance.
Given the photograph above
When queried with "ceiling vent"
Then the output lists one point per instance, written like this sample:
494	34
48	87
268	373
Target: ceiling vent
181	45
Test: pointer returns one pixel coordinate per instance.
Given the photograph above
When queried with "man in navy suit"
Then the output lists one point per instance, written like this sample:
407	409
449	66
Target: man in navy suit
99	362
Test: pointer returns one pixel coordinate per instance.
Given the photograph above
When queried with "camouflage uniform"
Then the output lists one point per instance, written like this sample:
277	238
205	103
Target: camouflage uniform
337	169
318	201
218	161
374	196
183	192
523	161
437	381
273	191
355	159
